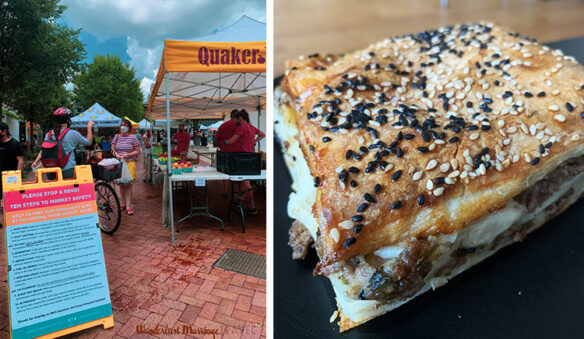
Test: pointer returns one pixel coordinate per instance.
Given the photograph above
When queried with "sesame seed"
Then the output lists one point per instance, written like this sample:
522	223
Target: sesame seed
349	242
417	175
553	108
444	167
474	136
438	192
396	205
347	224
361	208
449	181
377	188
560	117
395	176
431	164
369	198
429	185
334	234
421	199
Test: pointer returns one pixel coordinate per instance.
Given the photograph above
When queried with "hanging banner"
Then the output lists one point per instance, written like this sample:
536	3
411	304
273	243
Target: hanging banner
57	281
203	56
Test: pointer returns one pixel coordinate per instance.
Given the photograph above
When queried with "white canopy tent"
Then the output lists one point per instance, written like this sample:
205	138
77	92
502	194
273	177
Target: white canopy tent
209	77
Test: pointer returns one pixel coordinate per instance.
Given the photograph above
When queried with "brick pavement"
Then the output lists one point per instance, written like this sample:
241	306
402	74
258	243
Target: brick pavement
153	282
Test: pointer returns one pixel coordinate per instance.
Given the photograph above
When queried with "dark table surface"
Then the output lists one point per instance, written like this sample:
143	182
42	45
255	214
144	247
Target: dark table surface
532	289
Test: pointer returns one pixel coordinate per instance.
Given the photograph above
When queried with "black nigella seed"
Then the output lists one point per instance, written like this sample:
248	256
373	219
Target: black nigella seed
469	104
396	205
439	181
357	218
541	94
541	148
423	149
363	149
409	136
399	152
316	181
472	128
485	127
528	94
356	156
425	136
353	183
507	94
456	129
369	198
395	176
548	145
326	139
369	169
377	188
569	107
357	229
400	136
485	151
421	199
362	207
353	169
349	242
311	148
453	139
535	161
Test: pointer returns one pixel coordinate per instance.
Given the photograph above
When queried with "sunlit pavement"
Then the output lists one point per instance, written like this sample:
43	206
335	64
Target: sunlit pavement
154	283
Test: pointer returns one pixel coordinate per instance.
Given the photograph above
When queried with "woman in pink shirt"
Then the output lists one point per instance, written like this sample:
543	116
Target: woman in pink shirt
243	141
126	146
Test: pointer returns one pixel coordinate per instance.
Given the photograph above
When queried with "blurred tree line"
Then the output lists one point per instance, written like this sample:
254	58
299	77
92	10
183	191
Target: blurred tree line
39	56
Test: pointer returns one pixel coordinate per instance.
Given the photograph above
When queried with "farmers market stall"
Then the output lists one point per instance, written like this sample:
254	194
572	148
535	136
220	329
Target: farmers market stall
206	79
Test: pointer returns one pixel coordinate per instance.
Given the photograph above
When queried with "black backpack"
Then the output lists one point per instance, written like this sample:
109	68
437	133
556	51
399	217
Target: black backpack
53	151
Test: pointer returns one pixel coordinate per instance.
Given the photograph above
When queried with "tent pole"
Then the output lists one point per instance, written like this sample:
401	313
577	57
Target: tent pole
259	120
169	154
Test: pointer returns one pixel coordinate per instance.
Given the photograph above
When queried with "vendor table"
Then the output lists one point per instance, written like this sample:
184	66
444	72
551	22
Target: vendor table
195	177
236	180
207	151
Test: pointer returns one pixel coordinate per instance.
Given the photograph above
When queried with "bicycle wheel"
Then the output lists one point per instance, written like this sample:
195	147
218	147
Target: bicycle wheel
108	208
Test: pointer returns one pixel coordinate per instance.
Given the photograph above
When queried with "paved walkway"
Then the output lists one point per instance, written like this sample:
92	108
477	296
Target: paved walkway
154	283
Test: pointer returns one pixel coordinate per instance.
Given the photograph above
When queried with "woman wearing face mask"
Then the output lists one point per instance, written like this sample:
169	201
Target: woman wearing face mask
126	146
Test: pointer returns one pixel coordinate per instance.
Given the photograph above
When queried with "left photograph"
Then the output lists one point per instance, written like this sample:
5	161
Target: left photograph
133	161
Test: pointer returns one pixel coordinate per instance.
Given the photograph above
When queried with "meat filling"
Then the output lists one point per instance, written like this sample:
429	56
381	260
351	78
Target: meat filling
402	277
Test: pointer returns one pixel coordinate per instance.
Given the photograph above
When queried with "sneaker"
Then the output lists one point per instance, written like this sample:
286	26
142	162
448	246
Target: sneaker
251	211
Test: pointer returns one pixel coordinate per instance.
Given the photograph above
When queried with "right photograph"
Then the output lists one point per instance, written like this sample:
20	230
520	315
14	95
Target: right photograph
428	169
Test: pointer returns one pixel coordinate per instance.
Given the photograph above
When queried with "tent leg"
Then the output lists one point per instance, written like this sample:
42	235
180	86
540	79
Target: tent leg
169	156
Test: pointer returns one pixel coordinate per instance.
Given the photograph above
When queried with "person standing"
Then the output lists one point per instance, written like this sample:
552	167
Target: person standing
147	158
225	132
11	153
243	140
182	138
126	146
69	140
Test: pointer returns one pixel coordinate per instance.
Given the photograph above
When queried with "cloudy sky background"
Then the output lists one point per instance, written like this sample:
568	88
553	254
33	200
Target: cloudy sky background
136	29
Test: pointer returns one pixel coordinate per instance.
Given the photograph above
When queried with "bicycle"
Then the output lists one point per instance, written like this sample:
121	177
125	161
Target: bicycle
108	204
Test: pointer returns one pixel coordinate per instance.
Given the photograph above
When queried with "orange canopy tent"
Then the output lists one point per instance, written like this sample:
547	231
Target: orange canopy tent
209	77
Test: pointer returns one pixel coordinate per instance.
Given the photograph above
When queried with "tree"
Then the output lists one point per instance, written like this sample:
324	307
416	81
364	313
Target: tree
37	57
113	85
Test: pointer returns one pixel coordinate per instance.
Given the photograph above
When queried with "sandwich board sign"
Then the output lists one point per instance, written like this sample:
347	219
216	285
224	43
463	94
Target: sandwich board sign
57	282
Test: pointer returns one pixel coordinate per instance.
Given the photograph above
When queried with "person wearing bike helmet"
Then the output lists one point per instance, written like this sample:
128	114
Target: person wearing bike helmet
61	120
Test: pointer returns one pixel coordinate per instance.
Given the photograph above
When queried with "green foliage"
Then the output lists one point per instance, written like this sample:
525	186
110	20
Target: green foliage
37	57
113	85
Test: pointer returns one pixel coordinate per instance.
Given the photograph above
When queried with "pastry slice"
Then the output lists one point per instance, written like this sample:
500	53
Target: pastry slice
422	155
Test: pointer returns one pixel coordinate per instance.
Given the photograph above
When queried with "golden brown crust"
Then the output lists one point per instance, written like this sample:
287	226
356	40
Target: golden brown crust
512	127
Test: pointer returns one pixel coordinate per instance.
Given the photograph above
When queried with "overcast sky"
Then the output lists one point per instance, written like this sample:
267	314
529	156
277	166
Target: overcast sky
136	29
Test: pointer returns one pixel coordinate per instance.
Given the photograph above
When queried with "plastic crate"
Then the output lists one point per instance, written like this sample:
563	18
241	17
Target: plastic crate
187	170
107	173
177	171
239	163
